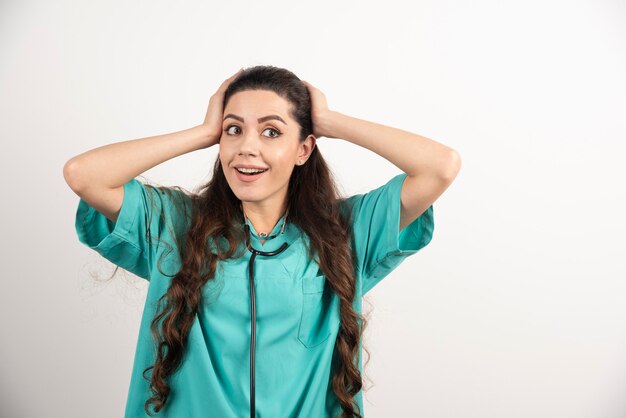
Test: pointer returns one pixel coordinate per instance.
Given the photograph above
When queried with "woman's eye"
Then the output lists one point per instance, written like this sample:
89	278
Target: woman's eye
234	130
276	132
228	130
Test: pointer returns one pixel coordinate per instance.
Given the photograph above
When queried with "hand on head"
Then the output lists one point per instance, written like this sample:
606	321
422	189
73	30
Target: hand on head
214	114
319	109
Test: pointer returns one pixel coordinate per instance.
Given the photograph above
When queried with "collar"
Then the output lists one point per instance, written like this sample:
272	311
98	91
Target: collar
275	238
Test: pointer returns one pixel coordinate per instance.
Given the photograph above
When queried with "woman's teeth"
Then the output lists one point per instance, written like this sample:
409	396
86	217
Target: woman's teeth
250	171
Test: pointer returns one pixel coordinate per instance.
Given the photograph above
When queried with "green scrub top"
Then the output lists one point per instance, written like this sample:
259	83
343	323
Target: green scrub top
297	313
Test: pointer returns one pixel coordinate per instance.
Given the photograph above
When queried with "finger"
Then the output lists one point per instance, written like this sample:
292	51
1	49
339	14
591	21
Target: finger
237	73
309	86
229	79
226	82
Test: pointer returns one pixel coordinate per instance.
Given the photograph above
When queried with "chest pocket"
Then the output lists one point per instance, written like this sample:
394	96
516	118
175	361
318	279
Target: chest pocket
320	312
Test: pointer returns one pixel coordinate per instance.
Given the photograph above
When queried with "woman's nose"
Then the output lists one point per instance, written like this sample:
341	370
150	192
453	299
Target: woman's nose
250	143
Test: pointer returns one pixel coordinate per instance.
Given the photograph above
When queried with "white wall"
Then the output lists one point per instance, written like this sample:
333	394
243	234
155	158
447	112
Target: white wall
515	309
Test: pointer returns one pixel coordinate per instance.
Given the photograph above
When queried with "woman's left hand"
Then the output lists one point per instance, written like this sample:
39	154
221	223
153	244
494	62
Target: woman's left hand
319	110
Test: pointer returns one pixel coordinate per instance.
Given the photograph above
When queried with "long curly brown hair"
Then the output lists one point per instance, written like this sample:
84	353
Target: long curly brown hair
314	206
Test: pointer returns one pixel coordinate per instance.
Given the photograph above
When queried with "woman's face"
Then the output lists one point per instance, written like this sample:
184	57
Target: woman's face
258	131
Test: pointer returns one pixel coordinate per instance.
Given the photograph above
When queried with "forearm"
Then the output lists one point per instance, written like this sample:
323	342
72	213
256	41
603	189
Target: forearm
411	153
115	164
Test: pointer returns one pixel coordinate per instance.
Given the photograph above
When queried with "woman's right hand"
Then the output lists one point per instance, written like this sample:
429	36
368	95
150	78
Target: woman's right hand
213	119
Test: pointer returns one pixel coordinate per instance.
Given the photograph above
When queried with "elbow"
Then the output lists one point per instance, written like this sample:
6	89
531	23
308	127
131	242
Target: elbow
453	166
70	174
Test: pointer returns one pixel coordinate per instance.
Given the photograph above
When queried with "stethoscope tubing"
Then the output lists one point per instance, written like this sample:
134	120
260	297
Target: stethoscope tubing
255	252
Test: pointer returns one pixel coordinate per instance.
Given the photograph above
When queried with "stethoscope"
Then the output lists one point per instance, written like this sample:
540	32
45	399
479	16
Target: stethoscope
256	252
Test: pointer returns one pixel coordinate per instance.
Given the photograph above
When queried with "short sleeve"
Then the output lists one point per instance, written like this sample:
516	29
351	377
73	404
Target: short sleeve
378	245
132	241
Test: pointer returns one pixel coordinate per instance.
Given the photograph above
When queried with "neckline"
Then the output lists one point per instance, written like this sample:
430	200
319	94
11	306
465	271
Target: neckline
276	230
275	238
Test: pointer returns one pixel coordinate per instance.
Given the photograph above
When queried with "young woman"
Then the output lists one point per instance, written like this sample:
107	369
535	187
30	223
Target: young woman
256	281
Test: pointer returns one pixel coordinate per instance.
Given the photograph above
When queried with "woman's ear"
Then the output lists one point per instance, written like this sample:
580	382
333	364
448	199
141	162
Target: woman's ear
307	147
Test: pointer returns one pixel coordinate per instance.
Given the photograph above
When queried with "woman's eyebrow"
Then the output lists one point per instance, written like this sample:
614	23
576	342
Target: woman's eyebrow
263	119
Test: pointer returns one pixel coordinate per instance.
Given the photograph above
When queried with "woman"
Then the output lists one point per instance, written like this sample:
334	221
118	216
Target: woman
256	281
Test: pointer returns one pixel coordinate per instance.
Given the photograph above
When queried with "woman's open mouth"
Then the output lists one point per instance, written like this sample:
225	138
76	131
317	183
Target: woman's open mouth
249	175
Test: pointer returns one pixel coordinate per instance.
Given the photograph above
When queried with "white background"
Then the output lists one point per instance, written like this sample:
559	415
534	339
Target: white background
517	306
